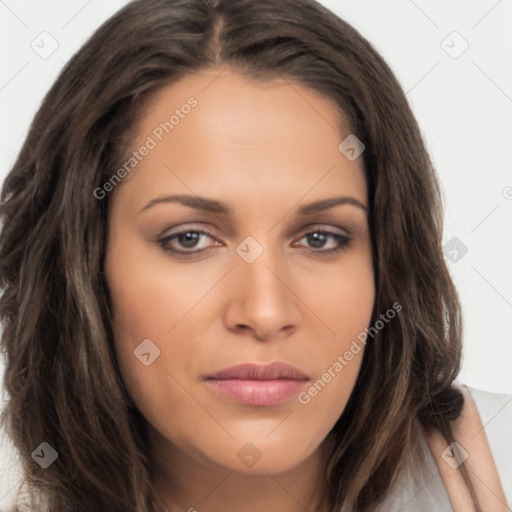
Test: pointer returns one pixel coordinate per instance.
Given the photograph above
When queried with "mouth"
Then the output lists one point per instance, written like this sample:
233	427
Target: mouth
259	385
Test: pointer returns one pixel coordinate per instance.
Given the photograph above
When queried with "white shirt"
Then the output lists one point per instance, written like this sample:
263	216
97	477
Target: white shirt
423	490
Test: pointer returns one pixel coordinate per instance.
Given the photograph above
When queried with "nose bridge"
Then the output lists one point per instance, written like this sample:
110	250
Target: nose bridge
263	278
262	299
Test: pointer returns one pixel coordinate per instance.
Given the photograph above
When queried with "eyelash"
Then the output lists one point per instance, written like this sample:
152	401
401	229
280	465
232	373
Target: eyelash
343	242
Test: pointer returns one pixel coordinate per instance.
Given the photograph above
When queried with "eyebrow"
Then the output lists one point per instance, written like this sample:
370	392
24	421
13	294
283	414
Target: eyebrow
213	206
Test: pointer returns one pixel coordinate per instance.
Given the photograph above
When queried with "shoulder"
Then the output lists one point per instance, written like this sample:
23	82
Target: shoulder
495	413
483	444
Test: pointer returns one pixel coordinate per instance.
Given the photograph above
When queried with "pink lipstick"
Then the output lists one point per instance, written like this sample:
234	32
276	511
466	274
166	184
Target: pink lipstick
257	384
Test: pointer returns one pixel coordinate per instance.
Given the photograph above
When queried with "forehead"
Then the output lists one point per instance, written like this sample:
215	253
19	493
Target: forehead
233	92
219	131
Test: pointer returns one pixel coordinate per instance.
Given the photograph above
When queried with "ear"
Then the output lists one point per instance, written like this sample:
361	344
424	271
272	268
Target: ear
473	448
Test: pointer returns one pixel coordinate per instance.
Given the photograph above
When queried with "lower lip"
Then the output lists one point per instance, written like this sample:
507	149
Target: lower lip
257	392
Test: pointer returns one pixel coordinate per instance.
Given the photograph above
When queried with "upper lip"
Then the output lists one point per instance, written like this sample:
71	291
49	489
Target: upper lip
250	371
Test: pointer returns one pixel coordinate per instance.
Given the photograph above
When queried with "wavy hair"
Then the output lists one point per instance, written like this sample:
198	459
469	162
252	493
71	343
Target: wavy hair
63	382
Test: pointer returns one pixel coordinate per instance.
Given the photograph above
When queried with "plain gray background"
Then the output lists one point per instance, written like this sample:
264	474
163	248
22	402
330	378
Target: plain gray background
462	98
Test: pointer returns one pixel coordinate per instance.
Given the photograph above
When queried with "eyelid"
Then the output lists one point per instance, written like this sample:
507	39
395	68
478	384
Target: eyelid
298	233
184	228
323	227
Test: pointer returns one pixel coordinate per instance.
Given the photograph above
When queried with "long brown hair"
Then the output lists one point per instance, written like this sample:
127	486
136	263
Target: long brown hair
63	382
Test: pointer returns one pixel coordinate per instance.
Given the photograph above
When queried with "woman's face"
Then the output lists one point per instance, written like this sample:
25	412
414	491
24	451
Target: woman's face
254	282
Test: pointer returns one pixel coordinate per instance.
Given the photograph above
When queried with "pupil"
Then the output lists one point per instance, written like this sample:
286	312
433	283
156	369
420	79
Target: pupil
317	239
188	239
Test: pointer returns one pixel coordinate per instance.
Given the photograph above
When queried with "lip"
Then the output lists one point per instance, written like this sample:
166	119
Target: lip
257	384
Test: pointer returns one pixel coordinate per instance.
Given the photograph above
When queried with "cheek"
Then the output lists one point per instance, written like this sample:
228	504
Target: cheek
342	298
344	303
155	311
150	297
144	311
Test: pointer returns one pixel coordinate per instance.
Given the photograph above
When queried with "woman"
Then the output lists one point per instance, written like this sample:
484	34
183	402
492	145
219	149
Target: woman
222	277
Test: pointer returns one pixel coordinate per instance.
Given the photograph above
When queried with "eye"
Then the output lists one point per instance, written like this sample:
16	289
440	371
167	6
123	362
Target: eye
186	239
318	239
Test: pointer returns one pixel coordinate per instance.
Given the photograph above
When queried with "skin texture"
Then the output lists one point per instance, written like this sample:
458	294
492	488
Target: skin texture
264	149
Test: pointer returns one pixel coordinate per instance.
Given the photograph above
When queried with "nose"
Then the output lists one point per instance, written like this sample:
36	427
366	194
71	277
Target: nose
261	300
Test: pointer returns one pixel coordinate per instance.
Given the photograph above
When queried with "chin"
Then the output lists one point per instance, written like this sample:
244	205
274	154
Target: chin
261	456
